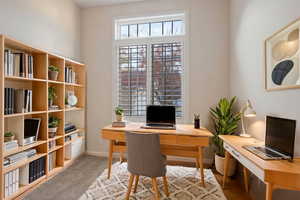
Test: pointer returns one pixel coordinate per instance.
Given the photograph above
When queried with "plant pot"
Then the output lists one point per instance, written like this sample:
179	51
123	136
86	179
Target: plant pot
52	132
119	118
8	139
219	163
52	75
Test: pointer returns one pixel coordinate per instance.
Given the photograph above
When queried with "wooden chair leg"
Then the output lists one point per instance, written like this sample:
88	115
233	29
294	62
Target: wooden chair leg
155	187
136	183
200	153
131	178
166	187
246	175
121	157
111	143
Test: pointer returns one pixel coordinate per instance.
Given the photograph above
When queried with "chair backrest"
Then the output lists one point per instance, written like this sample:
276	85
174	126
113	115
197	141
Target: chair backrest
144	156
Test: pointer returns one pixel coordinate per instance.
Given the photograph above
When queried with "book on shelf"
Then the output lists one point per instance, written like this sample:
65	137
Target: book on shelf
52	160
70	75
11	145
11	182
17	101
34	171
18	64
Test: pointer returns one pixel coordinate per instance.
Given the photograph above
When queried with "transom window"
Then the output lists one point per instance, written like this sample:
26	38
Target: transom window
150	71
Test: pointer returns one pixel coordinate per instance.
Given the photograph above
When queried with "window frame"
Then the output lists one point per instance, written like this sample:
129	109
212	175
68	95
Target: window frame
183	39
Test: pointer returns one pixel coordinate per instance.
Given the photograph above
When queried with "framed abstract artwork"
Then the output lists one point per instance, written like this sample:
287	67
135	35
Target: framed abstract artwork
282	59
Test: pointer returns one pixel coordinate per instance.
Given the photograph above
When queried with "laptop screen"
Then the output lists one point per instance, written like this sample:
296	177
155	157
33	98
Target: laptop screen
280	135
161	115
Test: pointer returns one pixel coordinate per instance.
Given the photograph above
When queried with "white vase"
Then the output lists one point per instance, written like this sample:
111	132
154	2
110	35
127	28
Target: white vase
219	163
119	118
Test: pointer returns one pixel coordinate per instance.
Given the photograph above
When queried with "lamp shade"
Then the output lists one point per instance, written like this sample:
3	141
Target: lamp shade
249	111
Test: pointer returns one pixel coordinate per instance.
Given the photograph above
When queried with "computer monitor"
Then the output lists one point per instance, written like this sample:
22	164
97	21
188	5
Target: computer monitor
31	127
280	135
161	115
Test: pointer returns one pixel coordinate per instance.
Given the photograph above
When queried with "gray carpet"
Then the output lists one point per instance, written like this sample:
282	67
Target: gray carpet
71	183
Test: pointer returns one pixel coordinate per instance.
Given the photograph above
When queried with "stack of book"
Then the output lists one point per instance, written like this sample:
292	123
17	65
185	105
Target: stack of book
52	161
70	75
8	146
11	182
70	127
17	101
119	124
37	169
18	64
15	158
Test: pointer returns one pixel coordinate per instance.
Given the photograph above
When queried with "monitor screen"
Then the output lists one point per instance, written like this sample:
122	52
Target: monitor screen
161	114
31	127
280	135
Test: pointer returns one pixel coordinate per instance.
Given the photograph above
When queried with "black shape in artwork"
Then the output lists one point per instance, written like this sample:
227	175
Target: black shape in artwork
281	70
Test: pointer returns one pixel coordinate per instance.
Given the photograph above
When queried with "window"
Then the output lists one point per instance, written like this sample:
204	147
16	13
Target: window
150	63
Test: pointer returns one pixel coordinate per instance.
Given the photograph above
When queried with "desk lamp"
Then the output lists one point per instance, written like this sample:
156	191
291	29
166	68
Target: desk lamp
246	111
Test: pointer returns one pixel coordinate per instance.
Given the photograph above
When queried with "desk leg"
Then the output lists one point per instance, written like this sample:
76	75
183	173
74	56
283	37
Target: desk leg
269	191
226	162
246	175
200	154
111	144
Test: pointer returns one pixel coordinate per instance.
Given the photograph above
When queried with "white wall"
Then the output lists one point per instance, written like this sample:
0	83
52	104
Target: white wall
252	21
208	57
52	25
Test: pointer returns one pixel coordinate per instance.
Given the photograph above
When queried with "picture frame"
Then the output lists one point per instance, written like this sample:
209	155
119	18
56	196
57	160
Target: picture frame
282	58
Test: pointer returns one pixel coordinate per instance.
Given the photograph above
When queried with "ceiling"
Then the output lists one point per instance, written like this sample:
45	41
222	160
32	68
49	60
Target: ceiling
91	3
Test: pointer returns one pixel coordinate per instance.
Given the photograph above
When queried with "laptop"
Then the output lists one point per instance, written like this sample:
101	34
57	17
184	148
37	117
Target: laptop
279	141
160	117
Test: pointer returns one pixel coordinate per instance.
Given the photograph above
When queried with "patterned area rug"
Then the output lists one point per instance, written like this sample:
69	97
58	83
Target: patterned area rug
183	182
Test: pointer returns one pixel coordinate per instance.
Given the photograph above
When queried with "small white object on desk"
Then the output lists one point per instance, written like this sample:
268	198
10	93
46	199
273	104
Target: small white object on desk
246	111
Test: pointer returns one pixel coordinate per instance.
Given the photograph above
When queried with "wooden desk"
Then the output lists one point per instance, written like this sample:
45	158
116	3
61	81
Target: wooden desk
185	141
275	173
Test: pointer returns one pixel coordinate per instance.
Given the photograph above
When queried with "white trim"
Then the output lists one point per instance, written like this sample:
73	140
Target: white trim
184	39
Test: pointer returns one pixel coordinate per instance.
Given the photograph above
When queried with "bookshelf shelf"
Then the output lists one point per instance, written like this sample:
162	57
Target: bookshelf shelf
16	78
57	147
55	138
23	114
74	109
32	75
76	131
22	163
20	148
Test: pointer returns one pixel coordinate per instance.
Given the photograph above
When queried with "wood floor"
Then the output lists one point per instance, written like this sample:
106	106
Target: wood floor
75	180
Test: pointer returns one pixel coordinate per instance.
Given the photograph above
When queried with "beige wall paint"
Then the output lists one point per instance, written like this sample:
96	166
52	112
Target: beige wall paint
252	22
52	25
208	57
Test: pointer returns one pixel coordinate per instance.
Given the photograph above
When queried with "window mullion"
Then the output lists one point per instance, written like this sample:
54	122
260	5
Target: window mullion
149	72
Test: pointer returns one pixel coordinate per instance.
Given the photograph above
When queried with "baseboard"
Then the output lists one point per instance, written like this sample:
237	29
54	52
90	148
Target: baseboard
175	158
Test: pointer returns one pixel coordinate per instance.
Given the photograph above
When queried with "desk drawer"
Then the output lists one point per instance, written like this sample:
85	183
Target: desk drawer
245	162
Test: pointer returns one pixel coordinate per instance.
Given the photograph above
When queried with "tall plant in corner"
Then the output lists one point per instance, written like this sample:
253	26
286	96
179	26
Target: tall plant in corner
225	123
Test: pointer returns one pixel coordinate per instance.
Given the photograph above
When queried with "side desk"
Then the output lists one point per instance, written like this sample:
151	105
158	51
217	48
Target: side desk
274	173
185	141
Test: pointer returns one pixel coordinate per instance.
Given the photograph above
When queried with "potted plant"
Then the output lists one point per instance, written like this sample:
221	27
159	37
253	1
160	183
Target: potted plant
53	72
119	114
8	137
225	123
51	95
52	126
